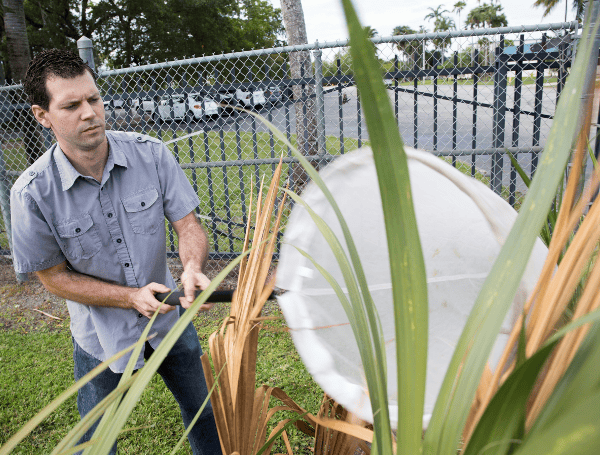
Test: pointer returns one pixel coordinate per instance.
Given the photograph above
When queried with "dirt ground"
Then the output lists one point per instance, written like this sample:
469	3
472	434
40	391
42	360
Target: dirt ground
29	307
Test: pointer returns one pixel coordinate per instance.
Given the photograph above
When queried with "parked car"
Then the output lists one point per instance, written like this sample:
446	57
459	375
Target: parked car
197	106
203	107
113	103
249	100
273	95
146	104
166	113
228	102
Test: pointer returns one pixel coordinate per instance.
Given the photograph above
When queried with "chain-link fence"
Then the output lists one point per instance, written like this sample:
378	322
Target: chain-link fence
466	95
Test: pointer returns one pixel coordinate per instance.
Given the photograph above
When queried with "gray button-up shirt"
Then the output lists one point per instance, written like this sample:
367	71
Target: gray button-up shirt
113	230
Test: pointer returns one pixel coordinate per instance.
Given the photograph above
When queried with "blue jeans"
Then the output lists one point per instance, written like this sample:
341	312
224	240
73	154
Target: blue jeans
183	375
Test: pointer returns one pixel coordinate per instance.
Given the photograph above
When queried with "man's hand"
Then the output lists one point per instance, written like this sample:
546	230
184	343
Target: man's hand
145	302
192	280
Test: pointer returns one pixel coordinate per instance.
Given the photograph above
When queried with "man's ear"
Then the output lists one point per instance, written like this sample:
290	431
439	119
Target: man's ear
41	115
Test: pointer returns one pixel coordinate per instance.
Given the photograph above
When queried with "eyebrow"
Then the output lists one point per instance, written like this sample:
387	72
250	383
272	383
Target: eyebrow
78	101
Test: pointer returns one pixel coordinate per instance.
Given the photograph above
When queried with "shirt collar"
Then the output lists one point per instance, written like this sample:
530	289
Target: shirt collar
68	174
117	152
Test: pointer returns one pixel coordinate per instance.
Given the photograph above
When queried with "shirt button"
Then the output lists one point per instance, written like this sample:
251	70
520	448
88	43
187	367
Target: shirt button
110	215
78	230
119	240
143	204
140	315
127	264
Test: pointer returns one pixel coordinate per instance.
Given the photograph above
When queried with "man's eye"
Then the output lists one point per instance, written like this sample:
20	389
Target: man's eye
94	100
71	107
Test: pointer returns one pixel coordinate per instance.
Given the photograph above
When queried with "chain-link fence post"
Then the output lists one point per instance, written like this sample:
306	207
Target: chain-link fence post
320	102
592	11
85	46
5	199
5	206
499	116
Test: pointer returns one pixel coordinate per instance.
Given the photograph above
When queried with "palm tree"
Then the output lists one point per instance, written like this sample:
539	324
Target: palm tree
441	23
435	14
444	24
486	16
458	7
371	32
549	5
408	48
16	38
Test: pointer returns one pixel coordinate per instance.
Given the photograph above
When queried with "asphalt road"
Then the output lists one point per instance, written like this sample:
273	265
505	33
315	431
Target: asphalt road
351	122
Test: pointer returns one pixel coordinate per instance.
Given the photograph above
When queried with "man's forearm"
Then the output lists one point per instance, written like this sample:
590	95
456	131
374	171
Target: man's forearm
65	283
193	252
193	243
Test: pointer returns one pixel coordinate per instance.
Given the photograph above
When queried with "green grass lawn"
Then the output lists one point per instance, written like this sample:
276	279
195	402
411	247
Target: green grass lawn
38	366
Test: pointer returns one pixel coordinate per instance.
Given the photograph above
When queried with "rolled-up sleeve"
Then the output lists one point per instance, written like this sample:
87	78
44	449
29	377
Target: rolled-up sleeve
34	245
179	198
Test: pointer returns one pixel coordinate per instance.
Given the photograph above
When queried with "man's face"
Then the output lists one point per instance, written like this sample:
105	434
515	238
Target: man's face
75	113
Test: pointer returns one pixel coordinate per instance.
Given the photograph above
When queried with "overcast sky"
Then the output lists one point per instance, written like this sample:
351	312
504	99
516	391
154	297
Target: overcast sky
325	19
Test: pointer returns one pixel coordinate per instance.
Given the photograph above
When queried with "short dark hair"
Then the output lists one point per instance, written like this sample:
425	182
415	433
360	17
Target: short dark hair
61	63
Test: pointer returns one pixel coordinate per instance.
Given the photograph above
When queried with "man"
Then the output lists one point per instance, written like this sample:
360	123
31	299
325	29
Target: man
88	219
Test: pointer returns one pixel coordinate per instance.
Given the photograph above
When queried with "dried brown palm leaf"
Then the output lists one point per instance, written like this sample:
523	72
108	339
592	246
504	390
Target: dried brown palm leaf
573	246
242	412
329	441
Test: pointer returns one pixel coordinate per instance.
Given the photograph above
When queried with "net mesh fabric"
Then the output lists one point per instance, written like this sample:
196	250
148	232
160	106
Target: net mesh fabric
462	226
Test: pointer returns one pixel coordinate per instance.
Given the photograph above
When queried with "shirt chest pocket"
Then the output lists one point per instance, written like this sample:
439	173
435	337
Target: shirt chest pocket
144	211
79	237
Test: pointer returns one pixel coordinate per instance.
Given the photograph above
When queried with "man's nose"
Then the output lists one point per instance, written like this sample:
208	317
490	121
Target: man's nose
87	111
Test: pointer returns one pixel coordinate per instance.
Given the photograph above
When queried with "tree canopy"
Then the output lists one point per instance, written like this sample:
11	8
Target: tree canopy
549	5
409	48
135	32
486	16
441	23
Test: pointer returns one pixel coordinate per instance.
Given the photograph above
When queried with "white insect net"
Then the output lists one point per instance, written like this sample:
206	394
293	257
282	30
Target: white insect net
462	226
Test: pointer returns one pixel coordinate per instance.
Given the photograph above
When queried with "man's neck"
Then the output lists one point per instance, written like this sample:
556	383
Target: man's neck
89	163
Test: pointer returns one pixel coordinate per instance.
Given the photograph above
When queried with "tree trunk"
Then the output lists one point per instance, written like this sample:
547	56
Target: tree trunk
300	66
83	21
18	59
16	38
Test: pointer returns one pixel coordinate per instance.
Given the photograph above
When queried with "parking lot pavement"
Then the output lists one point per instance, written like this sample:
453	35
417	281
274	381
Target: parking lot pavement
352	123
